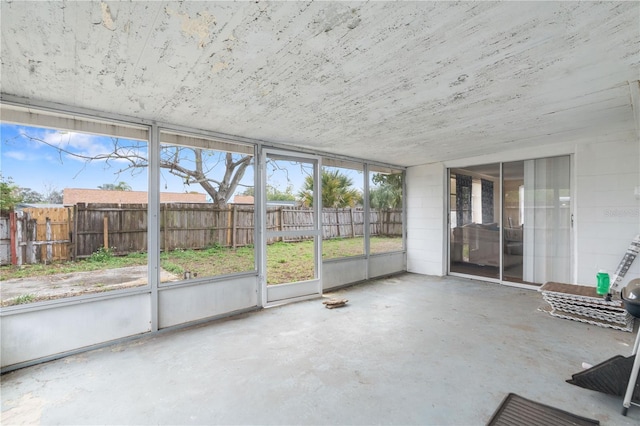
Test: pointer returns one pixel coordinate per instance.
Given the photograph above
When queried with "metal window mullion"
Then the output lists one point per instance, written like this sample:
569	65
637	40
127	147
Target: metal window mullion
404	215
261	220
318	222
501	223
367	230
153	222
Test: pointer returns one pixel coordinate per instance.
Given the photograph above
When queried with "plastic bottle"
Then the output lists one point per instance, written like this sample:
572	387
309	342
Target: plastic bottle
603	282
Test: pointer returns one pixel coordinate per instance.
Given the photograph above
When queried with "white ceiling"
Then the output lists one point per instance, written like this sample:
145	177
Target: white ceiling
401	83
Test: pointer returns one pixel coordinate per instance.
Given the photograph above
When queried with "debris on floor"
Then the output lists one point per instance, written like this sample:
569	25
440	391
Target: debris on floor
334	303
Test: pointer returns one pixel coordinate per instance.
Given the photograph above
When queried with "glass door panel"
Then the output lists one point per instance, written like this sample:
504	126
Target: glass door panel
292	226
513	218
474	216
547	220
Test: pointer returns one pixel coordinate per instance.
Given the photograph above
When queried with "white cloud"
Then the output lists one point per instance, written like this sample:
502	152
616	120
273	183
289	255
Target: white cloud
78	143
81	146
49	144
16	155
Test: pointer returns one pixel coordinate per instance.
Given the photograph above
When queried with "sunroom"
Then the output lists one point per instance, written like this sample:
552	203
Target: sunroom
230	157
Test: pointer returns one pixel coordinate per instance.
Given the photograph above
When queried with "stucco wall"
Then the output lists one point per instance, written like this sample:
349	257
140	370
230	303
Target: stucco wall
425	219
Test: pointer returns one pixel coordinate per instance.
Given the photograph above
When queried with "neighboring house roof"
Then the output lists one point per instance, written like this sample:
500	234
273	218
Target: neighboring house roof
243	199
72	196
248	199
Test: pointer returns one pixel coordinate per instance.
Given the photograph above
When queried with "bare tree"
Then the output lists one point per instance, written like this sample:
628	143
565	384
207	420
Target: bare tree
52	194
121	186
194	166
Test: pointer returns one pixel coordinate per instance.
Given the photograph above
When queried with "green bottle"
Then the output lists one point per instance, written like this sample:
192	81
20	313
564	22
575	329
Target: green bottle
603	282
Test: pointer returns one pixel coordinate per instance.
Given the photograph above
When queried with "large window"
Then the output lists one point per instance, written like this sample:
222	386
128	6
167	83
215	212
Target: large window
342	209
386	210
208	230
74	200
75	205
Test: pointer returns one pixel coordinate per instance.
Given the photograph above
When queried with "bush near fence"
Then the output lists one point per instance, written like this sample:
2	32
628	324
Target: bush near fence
55	234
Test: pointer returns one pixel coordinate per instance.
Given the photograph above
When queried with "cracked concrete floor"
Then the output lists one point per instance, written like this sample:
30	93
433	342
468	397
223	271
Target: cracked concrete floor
410	349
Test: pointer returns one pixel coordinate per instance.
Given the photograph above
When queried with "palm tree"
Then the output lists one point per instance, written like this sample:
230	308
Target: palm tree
387	194
336	190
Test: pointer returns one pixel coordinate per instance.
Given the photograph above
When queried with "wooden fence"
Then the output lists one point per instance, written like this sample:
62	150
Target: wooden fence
35	235
52	234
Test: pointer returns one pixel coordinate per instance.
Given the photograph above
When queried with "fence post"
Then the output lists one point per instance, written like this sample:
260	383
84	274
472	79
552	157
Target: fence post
234	237
13	237
75	232
48	238
163	228
69	255
229	227
29	231
105	231
353	228
20	237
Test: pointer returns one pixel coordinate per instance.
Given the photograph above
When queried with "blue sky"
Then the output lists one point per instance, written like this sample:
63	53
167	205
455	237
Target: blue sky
34	164
41	166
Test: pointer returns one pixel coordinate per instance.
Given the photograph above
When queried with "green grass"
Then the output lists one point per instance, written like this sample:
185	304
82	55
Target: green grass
290	262
22	299
286	262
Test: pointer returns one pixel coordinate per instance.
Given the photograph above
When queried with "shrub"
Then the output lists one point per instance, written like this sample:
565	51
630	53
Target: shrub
22	299
102	255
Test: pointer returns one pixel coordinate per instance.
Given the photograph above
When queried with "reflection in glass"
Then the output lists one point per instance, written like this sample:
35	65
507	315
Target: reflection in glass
475	233
513	217
536	221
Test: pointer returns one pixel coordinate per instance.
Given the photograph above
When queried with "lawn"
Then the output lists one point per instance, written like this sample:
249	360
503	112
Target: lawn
286	262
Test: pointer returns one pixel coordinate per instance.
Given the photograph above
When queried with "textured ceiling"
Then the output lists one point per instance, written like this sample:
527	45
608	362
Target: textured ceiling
401	83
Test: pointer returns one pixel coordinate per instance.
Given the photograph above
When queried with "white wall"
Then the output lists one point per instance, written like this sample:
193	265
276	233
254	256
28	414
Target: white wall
608	212
606	173
426	219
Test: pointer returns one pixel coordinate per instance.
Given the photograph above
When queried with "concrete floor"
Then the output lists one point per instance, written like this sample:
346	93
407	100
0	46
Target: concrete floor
409	349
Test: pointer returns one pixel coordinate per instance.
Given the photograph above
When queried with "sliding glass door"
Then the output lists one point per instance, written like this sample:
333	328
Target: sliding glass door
474	221
547	220
512	221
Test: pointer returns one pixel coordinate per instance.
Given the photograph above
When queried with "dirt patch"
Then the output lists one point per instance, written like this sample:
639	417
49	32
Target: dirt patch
56	286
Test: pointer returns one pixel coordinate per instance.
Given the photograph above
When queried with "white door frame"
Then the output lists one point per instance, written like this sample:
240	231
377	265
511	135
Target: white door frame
277	294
